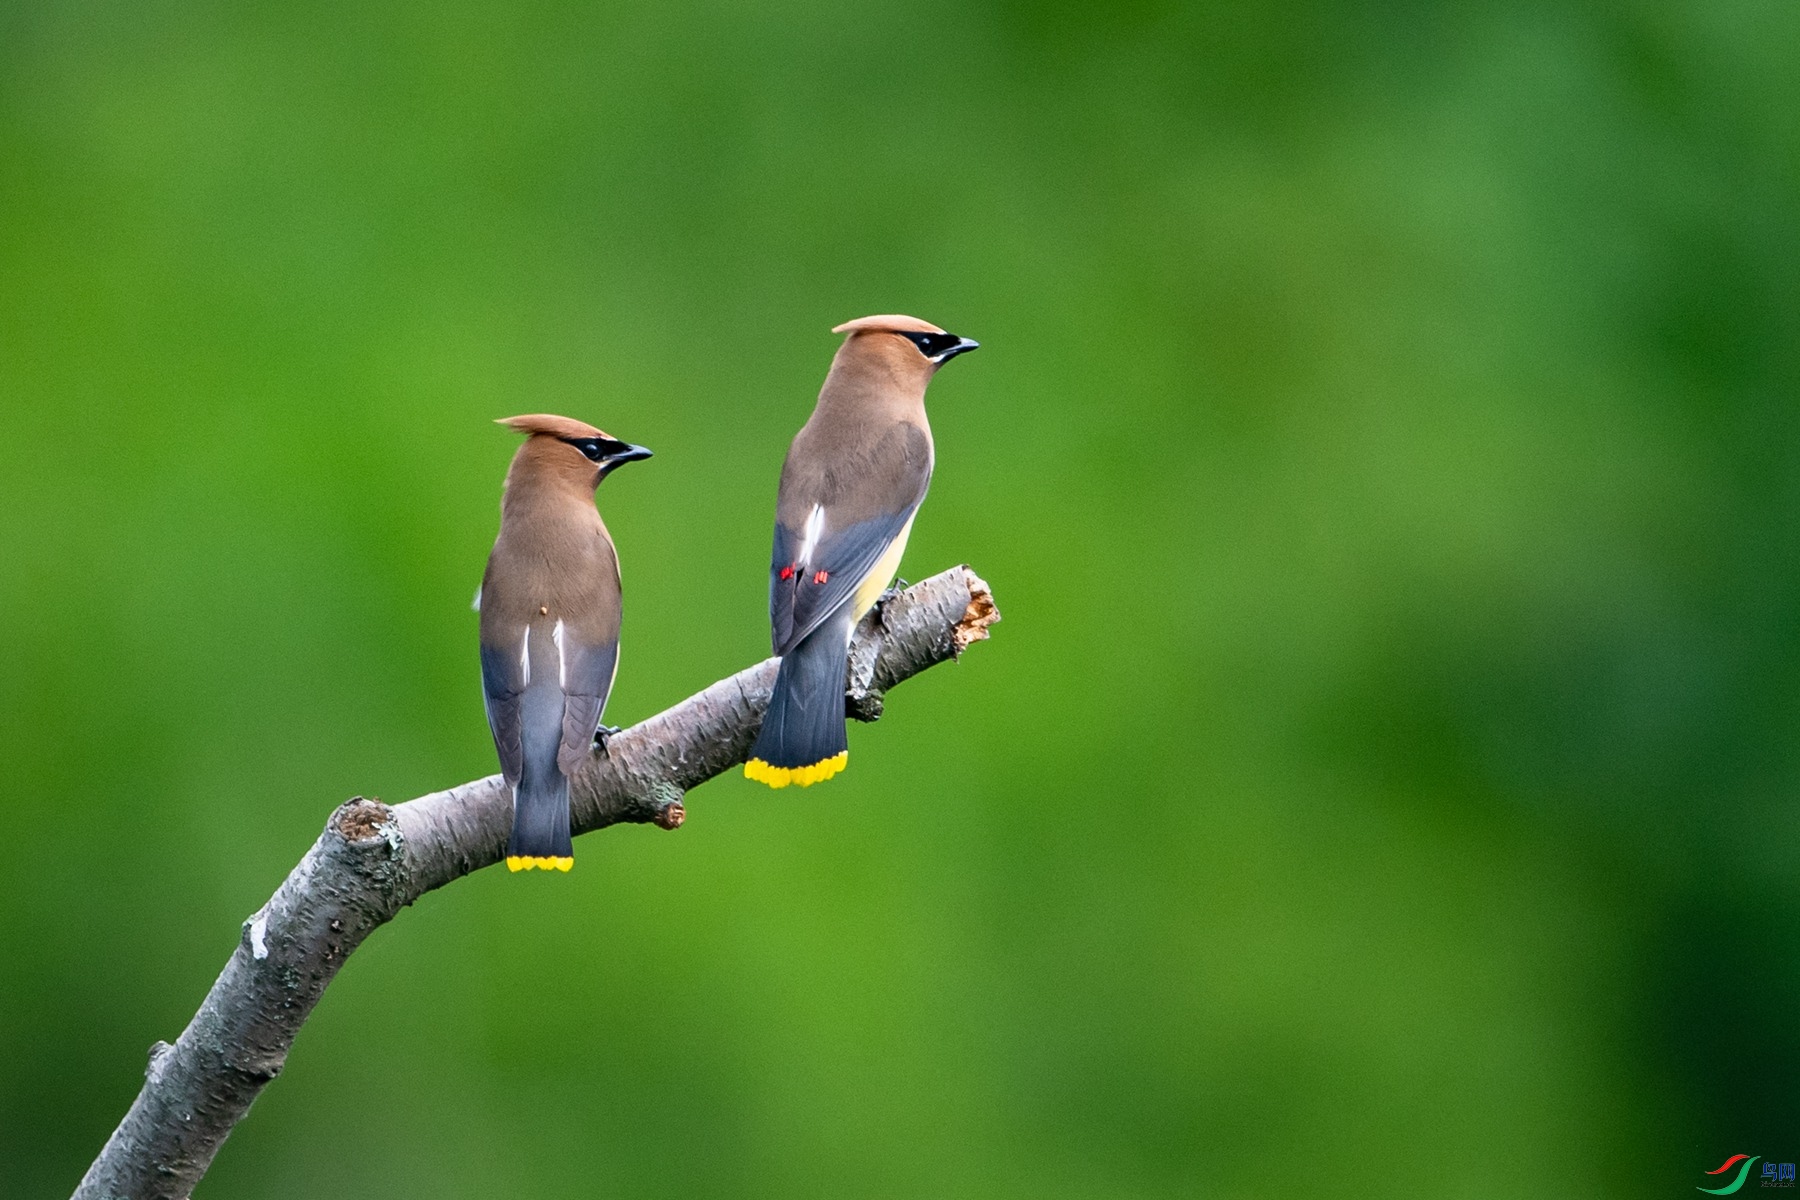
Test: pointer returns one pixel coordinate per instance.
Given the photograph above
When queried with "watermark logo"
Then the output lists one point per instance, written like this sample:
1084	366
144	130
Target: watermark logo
1779	1175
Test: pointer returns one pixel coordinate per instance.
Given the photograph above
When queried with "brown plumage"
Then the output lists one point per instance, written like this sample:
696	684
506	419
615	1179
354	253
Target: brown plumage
550	608
853	479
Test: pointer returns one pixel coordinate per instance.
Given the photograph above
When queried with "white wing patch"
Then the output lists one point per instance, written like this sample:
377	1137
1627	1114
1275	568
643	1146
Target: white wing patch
525	656
562	659
809	541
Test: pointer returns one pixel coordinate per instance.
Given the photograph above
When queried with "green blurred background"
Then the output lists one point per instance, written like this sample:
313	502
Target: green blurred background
1384	451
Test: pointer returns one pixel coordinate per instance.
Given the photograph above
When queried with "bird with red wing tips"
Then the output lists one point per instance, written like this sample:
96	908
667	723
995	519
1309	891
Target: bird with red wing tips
852	482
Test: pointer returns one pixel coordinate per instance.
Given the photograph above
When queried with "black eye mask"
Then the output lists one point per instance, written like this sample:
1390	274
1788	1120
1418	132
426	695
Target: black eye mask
931	344
938	347
598	449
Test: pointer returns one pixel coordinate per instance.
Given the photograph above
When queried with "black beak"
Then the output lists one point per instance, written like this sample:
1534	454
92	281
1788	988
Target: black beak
629	454
963	346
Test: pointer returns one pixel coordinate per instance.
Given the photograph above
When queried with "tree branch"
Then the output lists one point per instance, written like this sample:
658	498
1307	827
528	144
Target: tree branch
373	860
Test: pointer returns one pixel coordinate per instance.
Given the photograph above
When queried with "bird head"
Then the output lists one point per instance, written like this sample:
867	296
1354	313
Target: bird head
571	449
906	345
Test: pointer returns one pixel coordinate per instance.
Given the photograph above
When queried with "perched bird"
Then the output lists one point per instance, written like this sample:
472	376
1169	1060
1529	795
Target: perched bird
549	606
853	479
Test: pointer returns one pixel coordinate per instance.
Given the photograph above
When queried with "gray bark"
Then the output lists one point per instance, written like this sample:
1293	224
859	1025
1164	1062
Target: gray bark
373	860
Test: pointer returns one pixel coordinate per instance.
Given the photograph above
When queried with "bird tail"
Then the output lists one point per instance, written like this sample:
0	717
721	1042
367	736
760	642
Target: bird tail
540	832
803	739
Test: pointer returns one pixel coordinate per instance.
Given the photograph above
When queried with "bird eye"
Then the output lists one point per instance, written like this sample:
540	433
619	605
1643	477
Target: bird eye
598	449
931	345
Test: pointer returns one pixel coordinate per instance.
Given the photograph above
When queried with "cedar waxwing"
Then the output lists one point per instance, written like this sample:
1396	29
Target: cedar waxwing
853	479
549	606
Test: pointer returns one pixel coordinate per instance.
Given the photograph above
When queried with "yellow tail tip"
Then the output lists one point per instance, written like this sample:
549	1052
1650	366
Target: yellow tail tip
780	777
520	862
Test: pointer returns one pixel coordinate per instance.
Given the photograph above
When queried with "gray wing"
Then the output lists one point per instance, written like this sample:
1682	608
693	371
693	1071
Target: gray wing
503	683
861	490
799	599
588	673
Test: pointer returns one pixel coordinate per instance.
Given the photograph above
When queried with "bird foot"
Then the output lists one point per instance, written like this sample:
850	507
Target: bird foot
604	734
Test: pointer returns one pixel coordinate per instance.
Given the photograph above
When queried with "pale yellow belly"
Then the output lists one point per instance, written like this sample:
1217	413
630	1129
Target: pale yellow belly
877	580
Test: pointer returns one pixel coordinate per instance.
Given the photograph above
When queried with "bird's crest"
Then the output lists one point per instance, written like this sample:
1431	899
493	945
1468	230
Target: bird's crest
887	323
551	426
